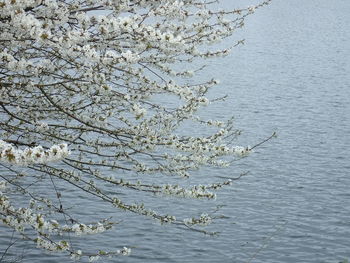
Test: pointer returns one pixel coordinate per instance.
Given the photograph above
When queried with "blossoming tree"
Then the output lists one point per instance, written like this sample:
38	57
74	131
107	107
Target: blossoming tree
93	88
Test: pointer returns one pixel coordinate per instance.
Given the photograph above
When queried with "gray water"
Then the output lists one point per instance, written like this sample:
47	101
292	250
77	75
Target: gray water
292	77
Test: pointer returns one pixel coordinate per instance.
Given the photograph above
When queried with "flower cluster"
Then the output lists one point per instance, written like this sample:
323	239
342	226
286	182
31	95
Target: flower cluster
203	220
35	155
52	246
82	229
242	151
198	191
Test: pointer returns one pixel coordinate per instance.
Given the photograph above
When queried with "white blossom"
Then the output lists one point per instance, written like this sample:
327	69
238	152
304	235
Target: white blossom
105	87
242	151
38	154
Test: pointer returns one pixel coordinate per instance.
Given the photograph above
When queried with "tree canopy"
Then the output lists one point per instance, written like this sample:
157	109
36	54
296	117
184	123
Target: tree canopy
94	93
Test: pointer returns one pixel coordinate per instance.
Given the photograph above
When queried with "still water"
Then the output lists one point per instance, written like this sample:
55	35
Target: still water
292	77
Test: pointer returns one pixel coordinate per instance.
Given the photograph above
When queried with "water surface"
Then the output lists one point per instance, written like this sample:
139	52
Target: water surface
292	76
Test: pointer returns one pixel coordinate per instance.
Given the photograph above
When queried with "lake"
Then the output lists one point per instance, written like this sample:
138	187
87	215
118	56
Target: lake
292	77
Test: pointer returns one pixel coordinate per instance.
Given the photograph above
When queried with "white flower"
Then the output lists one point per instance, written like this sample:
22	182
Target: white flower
37	154
138	111
251	9
129	57
76	254
125	251
203	101
242	151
